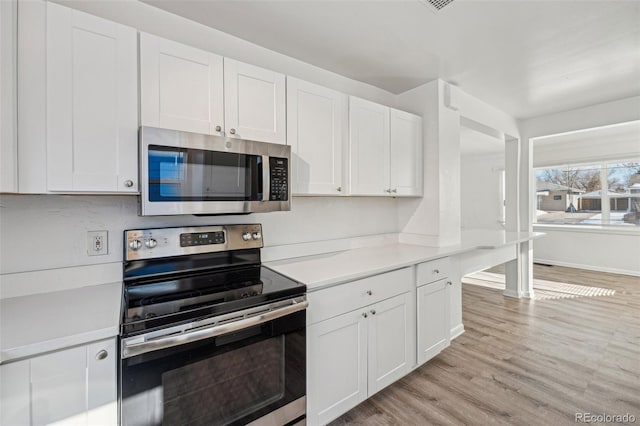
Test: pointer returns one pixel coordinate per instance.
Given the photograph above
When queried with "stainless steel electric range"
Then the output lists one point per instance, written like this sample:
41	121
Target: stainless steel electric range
209	336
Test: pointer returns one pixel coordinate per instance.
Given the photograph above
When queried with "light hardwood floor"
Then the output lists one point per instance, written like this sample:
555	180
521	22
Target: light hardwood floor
524	362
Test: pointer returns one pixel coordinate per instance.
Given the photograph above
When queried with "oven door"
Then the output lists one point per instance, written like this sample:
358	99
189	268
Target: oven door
225	372
188	173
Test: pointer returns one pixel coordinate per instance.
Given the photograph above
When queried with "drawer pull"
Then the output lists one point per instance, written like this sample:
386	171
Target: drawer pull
102	355
436	271
373	312
449	282
369	292
364	314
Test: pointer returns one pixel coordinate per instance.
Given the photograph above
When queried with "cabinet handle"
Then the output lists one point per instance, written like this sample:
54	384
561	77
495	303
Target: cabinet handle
218	128
394	190
387	191
232	131
449	282
339	189
369	292
102	355
373	312
364	314
128	183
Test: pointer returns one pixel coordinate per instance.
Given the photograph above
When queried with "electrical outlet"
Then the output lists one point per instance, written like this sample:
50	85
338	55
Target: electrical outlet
97	243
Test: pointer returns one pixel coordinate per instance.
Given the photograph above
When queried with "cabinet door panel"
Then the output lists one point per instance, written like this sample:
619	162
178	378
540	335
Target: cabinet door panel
316	131
101	382
337	366
14	393
390	334
369	147
92	118
433	319
406	153
58	387
8	99
254	101
181	86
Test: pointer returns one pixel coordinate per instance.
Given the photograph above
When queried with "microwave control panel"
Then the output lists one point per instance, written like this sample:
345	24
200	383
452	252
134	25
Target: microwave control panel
279	188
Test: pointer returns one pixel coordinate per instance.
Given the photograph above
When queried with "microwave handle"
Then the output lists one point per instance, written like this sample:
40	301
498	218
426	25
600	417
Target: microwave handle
266	178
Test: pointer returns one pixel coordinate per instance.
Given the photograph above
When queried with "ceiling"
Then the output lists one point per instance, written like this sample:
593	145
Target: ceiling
525	57
616	133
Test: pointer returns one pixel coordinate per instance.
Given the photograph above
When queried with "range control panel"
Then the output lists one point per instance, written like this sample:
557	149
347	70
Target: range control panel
279	187
165	242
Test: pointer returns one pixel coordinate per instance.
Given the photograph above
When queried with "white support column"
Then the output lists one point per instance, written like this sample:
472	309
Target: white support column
519	210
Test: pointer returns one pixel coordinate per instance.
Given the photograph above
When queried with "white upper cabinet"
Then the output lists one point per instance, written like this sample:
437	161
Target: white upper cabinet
254	100
91	103
8	100
181	87
406	153
317	132
369	147
385	150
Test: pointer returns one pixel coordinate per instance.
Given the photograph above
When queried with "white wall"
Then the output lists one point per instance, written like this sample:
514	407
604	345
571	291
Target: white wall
480	191
49	231
606	251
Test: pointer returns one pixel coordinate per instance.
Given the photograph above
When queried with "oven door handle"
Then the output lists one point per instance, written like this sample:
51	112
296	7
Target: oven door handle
132	349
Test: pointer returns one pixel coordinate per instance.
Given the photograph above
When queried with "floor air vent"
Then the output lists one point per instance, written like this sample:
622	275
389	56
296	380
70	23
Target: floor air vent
435	5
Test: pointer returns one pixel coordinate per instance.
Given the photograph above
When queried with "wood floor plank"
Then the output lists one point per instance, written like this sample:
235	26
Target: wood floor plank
533	362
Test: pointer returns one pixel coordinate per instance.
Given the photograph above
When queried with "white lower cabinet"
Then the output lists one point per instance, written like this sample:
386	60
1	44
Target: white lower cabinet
74	386
355	354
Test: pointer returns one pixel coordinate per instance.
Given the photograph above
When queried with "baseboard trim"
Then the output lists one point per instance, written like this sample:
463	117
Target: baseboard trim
456	331
588	267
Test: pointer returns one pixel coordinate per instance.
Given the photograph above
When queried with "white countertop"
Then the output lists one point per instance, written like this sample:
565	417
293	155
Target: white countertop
38	323
329	269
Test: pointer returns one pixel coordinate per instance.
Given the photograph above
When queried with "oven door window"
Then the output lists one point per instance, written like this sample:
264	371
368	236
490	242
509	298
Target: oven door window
230	379
182	174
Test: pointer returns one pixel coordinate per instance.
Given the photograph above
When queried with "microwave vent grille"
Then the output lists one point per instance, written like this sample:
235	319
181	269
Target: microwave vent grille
435	5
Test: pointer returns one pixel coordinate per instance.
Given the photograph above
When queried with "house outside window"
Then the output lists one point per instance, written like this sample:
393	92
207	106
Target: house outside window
606	193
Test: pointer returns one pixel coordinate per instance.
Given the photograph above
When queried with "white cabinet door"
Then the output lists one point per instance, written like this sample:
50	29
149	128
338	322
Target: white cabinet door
369	147
406	153
92	106
336	366
14	394
181	87
433	319
254	100
8	99
74	386
317	132
390	334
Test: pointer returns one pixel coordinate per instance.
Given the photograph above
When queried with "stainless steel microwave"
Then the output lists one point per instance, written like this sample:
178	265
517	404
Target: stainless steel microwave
190	173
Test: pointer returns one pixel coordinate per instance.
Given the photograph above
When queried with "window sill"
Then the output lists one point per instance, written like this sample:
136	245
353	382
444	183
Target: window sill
593	229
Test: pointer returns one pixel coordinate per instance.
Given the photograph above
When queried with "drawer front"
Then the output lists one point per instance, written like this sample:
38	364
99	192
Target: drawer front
333	301
433	270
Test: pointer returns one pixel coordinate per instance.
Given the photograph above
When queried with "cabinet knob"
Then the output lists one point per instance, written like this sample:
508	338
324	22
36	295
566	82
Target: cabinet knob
128	183
102	355
449	282
218	128
339	189
436	271
373	312
369	292
364	314
232	131
394	190
387	191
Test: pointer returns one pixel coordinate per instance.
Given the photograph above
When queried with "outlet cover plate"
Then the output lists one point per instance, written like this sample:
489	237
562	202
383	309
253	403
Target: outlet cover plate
97	243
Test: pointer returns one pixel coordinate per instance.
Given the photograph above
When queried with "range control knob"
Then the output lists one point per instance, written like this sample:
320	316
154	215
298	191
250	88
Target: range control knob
246	236
256	235
135	245
151	243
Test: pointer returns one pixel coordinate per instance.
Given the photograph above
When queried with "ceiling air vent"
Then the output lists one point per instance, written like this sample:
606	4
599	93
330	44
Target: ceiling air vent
435	5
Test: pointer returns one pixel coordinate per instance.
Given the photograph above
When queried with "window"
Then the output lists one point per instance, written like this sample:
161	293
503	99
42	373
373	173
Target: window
605	193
